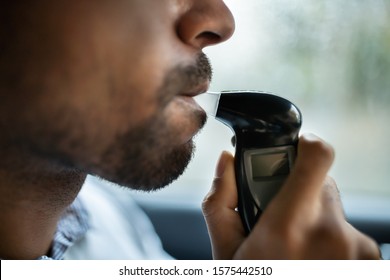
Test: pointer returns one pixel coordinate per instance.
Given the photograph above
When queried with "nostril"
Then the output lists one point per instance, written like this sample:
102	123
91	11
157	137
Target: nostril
209	38
205	23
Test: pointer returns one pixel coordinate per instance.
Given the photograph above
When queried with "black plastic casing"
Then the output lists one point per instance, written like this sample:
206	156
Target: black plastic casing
259	120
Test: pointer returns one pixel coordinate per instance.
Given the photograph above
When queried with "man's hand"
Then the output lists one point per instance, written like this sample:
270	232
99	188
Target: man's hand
305	220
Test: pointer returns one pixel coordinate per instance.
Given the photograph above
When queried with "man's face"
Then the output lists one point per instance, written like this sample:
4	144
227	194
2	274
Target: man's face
105	86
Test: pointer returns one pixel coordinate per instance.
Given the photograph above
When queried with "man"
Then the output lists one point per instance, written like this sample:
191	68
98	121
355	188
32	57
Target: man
105	88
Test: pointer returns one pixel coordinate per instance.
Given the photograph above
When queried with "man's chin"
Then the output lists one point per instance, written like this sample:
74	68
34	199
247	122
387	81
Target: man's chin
154	173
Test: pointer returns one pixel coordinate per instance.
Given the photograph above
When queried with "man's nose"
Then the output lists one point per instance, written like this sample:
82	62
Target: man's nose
205	23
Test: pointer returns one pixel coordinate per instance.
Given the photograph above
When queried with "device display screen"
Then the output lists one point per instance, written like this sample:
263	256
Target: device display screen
267	165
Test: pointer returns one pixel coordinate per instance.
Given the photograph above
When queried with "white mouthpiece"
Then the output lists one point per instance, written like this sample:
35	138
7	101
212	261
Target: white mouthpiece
209	102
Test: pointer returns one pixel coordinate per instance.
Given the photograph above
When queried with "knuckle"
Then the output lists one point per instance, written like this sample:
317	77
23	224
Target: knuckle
209	203
330	183
331	193
317	149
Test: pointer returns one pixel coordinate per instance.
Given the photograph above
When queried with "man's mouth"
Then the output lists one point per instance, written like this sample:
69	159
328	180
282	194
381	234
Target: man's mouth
188	96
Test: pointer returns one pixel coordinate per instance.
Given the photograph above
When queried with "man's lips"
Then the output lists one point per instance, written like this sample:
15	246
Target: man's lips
188	96
193	111
200	88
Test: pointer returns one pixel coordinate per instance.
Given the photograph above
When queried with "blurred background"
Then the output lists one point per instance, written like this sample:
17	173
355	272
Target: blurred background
329	57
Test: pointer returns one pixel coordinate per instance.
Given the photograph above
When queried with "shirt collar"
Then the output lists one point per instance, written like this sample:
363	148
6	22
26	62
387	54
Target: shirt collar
72	227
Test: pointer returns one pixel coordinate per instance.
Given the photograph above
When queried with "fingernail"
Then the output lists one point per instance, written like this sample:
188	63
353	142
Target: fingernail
221	166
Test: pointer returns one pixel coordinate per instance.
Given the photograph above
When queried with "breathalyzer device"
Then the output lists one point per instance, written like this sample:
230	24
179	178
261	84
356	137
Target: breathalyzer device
266	130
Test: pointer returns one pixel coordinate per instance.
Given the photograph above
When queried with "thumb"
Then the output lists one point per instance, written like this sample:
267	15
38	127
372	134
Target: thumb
223	221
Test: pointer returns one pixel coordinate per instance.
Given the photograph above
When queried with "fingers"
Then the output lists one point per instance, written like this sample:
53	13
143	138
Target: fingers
307	217
296	211
223	222
305	220
305	183
223	190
